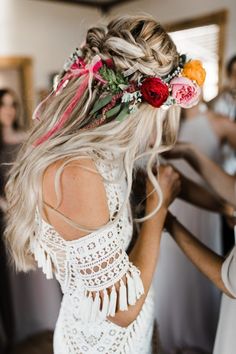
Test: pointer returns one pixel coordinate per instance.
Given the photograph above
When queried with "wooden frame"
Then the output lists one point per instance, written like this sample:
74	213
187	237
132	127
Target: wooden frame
24	66
219	18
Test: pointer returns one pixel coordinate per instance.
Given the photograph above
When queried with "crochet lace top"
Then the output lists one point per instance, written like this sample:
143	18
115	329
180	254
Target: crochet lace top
97	280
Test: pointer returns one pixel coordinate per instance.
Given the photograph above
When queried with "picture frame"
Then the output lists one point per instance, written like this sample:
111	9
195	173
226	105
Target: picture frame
16	73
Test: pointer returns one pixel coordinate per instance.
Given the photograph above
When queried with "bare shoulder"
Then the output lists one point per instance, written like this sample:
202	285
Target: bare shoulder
83	197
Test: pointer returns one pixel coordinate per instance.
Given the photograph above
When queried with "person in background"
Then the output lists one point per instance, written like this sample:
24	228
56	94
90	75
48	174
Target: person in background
19	293
10	139
225	104
221	271
187	304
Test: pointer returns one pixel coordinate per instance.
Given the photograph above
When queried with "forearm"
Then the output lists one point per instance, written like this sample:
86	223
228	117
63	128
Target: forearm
201	197
144	256
146	250
207	261
222	183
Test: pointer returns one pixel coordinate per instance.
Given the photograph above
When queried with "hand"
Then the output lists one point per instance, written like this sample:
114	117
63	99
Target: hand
228	211
179	151
170	184
231	221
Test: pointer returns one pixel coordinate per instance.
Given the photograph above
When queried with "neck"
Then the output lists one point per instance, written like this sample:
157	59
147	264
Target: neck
7	131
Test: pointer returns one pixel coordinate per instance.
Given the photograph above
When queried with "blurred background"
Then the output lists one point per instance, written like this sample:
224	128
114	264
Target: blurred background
36	36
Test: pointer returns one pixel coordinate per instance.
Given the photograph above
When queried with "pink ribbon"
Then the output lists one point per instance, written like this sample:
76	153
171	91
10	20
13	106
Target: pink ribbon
78	69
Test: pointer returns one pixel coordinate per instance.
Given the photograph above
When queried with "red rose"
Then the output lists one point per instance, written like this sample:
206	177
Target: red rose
154	91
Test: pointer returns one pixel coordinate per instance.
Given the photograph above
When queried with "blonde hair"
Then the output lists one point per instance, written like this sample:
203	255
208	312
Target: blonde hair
129	41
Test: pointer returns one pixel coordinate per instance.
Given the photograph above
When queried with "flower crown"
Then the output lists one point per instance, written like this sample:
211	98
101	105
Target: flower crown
120	96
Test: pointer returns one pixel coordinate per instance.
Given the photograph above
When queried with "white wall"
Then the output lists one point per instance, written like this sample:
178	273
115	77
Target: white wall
47	32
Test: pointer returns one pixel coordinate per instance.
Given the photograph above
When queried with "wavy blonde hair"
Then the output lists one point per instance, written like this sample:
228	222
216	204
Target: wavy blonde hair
129	41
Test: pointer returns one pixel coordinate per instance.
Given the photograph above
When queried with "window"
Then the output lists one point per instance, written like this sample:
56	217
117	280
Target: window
16	73
203	39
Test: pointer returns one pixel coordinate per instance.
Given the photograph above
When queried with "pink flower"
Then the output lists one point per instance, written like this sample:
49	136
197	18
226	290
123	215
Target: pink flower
185	92
77	64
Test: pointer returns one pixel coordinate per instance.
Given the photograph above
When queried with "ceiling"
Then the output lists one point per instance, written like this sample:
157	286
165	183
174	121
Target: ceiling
104	5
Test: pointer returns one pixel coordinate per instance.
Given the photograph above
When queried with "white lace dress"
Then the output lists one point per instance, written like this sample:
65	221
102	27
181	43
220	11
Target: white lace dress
93	264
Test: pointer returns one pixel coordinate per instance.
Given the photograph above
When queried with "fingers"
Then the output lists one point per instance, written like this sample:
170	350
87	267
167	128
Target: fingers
169	172
170	183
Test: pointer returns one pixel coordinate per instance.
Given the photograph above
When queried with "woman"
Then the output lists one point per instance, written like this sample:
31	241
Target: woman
20	287
221	271
10	135
113	101
185	312
225	104
10	139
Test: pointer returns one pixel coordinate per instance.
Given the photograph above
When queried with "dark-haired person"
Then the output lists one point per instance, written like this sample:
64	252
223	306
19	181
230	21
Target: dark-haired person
22	289
11	136
197	295
221	271
10	140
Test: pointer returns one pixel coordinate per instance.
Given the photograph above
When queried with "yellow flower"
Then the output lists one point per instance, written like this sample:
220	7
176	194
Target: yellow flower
194	71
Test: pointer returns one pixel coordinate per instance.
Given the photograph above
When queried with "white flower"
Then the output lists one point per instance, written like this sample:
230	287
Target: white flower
72	58
170	101
127	97
133	108
131	96
68	64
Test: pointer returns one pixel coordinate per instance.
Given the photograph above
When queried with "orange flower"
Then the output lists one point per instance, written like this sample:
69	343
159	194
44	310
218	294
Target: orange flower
194	70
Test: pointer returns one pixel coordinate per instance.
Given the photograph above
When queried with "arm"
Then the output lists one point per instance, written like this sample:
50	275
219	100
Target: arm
199	196
222	183
207	261
90	209
144	256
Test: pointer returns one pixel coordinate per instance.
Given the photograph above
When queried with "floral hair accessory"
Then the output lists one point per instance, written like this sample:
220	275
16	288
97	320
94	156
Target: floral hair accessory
154	91
194	71
77	69
185	92
120	96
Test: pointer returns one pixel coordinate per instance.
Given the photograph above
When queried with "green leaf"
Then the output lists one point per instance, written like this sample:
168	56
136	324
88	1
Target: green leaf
113	111
123	114
100	103
114	79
